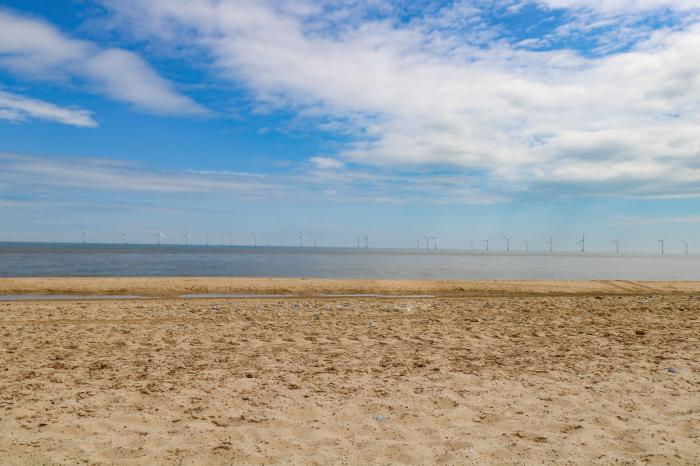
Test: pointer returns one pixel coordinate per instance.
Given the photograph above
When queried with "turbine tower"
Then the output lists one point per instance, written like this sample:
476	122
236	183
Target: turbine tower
487	243
267	241
685	243
427	242
437	241
357	237
301	240
417	243
84	234
617	245
662	243
582	242
255	240
507	242
232	234
187	239
314	241
221	237
527	245
206	235
551	244
126	238
471	245
366	239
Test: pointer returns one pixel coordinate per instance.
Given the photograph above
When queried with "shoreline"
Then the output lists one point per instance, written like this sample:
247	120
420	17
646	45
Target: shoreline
173	287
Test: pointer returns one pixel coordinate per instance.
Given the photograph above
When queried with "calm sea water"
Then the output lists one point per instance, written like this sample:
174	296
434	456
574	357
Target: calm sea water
31	260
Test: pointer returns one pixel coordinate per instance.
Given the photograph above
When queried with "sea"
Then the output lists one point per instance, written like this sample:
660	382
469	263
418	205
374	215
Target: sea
120	260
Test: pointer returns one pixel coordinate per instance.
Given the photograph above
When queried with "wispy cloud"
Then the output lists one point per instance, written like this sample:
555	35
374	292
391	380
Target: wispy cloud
16	108
36	50
22	175
682	219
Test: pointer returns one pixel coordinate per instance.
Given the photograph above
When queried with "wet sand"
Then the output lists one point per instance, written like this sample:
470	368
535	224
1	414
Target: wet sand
507	372
172	287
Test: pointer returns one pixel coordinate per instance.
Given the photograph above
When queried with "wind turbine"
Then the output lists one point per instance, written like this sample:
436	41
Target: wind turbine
159	236
314	241
437	241
221	237
661	242
84	234
206	234
267	242
301	240
507	242
487	243
551	244
582	242
126	238
417	243
617	245
527	245
232	235
366	238
427	242
187	239
357	237
686	246
255	240
471	245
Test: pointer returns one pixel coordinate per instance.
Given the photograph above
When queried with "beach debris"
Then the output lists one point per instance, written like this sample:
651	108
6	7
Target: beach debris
672	370
379	418
640	332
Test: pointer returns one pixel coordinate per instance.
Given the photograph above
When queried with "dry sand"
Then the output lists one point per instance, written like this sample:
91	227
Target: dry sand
566	378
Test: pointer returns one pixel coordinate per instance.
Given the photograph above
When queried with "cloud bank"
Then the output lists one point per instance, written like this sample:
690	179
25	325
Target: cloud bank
448	88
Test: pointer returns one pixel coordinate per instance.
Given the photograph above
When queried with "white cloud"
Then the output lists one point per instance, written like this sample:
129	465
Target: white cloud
36	50
16	108
326	163
418	95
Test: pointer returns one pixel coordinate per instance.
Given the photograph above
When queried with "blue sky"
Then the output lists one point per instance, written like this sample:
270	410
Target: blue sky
467	119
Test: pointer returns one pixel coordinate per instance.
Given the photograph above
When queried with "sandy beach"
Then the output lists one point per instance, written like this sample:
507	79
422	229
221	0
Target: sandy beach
483	373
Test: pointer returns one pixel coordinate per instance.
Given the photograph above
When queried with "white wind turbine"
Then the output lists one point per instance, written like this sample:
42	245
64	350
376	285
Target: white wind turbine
686	246
125	235
267	242
551	244
159	236
617	245
661	242
232	234
582	242
187	239
436	239
471	245
301	239
366	239
206	236
527	245
84	234
427	242
487	243
255	240
507	242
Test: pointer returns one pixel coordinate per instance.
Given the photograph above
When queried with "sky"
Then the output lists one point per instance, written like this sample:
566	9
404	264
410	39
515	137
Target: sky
466	119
